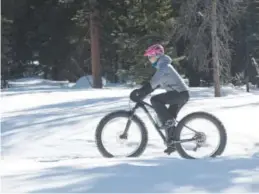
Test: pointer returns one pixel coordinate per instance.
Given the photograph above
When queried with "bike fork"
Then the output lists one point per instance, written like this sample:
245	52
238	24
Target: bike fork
125	133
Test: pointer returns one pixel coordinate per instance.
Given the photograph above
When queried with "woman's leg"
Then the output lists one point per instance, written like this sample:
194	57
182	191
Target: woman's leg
173	98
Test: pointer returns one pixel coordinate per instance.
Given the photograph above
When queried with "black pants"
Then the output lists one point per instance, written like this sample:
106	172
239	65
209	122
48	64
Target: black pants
175	99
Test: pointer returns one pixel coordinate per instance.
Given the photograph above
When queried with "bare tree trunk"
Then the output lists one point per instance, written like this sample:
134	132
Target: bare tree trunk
95	48
247	84
215	53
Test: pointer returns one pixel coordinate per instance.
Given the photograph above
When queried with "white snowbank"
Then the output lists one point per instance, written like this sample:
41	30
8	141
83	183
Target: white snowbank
86	82
36	83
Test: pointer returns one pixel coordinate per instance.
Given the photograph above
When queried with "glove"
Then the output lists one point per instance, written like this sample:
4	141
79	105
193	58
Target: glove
139	94
146	89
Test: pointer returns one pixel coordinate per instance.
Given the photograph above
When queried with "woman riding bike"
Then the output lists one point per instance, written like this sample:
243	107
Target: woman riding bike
166	77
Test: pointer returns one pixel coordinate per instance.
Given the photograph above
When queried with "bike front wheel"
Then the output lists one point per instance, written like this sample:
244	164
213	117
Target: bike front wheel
114	145
206	139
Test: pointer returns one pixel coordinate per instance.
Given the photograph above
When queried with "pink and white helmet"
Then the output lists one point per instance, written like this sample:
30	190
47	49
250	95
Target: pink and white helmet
154	50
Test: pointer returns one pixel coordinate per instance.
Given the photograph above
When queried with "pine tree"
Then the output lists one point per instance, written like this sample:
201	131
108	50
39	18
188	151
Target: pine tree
201	32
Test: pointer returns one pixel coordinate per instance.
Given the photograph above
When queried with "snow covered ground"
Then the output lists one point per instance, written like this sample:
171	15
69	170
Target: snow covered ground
47	138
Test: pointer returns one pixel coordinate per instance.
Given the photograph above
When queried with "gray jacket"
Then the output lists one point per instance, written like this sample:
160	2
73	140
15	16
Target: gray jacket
167	77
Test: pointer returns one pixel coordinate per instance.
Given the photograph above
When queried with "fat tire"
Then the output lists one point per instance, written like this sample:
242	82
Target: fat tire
106	119
204	115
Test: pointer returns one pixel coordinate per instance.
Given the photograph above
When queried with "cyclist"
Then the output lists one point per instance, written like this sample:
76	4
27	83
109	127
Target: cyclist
166	77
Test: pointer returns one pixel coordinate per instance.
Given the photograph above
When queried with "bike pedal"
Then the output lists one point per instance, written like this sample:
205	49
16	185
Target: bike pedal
170	150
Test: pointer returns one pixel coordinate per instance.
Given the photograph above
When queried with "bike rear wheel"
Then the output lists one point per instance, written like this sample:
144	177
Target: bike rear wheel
121	116
200	135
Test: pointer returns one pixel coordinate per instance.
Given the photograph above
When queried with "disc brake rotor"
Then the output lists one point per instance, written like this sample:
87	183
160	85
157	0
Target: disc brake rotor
200	140
121	140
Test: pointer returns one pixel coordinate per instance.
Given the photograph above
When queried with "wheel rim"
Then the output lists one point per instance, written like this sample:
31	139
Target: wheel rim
112	142
207	140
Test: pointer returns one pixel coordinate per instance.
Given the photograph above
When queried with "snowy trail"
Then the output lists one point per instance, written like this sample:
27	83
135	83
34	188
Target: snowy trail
48	145
158	174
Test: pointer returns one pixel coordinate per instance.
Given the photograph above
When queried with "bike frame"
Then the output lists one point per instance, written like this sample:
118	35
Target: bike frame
142	105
